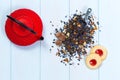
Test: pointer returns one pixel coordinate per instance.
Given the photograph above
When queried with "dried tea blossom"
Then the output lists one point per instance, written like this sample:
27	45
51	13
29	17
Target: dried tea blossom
76	36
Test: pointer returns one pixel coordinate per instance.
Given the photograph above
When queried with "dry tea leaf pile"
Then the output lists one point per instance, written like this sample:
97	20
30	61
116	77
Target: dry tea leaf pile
76	36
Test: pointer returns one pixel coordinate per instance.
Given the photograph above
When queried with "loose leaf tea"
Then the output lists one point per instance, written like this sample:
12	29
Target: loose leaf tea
76	36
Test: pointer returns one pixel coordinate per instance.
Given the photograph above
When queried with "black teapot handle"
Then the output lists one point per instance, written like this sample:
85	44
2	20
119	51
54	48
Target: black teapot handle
21	24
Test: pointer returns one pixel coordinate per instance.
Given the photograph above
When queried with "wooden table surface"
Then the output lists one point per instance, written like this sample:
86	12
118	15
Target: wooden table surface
35	62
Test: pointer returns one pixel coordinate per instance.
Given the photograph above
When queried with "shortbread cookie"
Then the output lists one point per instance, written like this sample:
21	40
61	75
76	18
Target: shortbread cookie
93	61
100	50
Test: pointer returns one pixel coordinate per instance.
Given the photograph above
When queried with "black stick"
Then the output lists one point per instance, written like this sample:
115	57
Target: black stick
21	24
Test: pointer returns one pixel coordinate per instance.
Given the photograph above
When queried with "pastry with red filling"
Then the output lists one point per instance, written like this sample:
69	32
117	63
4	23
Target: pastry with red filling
93	61
100	50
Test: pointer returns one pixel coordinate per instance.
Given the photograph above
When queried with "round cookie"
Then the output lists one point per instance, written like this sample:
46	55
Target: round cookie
93	61
100	50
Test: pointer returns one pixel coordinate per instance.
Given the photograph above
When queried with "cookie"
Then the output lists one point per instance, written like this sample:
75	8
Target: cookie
100	50
93	61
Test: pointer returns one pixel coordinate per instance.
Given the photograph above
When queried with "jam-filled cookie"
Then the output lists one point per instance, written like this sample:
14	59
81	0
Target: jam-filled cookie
93	61
100	50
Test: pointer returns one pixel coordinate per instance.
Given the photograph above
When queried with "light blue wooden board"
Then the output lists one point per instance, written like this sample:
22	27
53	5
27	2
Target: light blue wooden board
82	72
37	63
51	68
110	19
4	42
26	60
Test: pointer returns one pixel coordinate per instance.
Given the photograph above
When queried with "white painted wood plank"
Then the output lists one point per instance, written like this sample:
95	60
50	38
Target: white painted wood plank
82	72
4	42
109	37
51	68
26	60
36	63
